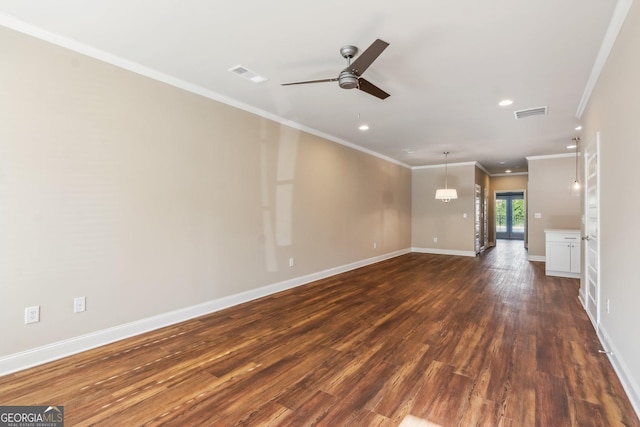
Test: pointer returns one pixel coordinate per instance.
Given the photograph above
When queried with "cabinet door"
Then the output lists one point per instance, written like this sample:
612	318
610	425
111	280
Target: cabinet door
575	257
558	256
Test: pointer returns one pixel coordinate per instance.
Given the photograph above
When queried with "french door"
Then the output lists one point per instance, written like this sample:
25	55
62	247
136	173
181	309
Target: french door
510	214
590	287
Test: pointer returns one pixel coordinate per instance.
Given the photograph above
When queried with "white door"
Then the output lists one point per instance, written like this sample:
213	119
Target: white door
591	286
477	220
485	210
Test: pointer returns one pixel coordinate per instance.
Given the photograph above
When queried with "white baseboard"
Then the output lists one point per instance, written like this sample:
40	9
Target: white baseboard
621	369
582	297
57	350
553	273
628	383
537	258
443	252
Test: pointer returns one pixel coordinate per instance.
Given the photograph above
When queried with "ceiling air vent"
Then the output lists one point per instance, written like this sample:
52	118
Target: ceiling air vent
538	111
245	73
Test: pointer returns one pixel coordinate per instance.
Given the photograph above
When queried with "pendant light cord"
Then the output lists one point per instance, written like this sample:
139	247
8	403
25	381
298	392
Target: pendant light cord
446	171
577	140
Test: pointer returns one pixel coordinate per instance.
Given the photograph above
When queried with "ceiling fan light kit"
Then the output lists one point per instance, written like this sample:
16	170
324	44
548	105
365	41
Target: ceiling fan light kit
350	77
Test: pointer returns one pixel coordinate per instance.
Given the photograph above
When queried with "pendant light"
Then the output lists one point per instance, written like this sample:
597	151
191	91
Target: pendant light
575	187
446	194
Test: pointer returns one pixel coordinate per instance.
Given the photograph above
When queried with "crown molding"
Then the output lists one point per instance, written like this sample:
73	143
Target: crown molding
551	156
510	174
479	166
615	25
441	165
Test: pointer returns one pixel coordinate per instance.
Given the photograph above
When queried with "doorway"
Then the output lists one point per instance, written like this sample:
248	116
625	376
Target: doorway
510	215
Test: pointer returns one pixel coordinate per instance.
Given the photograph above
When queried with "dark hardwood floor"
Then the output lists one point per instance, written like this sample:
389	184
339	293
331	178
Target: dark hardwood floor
452	341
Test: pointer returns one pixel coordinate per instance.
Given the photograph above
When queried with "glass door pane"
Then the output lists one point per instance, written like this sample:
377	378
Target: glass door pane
501	218
517	217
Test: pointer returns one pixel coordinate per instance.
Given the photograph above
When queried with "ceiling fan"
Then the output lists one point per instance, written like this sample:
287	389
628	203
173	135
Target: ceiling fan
349	78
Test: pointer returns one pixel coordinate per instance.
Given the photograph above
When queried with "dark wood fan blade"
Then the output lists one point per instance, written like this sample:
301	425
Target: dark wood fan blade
370	88
367	57
310	81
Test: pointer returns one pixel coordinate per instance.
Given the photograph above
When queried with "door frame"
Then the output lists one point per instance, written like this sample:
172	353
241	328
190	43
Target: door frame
592	147
526	225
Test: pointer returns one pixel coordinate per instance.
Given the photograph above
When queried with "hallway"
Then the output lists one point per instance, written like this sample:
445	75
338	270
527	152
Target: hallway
508	254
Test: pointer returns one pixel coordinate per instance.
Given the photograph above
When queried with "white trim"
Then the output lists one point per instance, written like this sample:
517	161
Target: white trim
537	258
551	156
25	28
621	369
553	273
479	166
615	25
437	251
442	165
47	353
584	305
582	298
510	174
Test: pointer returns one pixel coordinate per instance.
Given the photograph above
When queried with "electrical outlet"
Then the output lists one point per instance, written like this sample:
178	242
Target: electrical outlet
608	307
291	262
79	304
375	245
435	240
32	314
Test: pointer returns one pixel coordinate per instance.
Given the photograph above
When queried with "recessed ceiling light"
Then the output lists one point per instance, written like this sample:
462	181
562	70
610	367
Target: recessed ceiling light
502	163
364	127
505	102
578	127
507	171
571	146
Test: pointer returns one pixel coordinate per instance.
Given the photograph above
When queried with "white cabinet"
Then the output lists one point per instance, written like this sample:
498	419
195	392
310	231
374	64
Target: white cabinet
562	253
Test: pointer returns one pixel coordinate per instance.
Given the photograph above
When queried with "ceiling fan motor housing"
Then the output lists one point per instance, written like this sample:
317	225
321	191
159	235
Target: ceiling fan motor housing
347	80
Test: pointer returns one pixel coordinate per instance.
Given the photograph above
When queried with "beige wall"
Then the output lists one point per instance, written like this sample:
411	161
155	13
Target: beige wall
432	218
613	111
147	199
549	194
501	184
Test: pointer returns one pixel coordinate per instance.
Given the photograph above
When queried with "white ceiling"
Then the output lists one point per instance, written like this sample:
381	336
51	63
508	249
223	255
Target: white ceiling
447	66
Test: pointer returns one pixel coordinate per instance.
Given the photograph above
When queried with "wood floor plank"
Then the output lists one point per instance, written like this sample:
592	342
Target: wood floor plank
444	340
